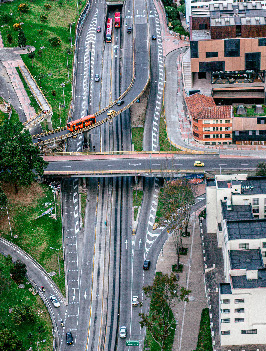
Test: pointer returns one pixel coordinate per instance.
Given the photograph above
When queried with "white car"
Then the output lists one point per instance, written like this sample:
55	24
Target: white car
54	301
123	332
135	301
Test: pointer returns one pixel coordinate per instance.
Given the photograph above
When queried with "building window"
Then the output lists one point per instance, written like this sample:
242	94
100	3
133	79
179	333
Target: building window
239	310
201	75
225	310
237	132
232	48
255	202
239	320
225	332
207	136
262	42
227	135
264	245
196	134
244	246
250	331
239	300
263	254
203	26
227	128
227	121
206	121
225	320
194	51
250	132
256	210
211	54
207	129
226	301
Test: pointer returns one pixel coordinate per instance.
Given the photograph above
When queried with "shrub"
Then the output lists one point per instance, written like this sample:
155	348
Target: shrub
21	39
16	26
47	6
9	38
43	18
18	271
204	338
6	18
53	92
55	41
31	54
24	8
40	31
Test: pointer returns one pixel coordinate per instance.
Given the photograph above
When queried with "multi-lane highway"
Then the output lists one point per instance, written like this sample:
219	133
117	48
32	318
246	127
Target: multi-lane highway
148	165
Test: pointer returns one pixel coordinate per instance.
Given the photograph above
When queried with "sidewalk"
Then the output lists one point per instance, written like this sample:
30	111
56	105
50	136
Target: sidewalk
188	314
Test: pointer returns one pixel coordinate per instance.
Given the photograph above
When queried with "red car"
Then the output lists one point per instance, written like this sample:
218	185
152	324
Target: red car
99	29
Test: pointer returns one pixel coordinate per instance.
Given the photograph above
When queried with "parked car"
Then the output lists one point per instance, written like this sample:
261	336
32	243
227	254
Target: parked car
146	264
135	301
123	332
54	301
198	164
99	29
120	102
97	77
69	338
154	37
129	30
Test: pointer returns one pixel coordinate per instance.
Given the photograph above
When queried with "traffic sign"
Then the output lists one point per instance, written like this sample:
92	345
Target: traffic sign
132	343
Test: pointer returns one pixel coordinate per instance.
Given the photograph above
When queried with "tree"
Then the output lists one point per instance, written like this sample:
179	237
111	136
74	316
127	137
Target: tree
10	341
23	8
9	38
21	39
261	169
175	205
160	322
18	271
20	160
31	55
23	314
55	41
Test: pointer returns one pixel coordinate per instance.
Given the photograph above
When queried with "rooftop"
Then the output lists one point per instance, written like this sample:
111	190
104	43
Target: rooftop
204	107
246	229
237	212
246	259
225	288
251	186
241	282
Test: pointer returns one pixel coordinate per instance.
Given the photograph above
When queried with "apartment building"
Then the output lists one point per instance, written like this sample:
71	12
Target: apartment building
211	124
236	211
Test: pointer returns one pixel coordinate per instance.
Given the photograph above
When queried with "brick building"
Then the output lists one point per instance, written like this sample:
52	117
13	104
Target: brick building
228	52
211	124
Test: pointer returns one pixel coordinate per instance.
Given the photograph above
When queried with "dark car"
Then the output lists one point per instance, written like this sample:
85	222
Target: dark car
154	37
97	77
146	264
129	30
98	30
120	102
69	338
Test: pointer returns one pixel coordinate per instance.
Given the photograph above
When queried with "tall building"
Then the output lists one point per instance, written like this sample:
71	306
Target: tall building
236	211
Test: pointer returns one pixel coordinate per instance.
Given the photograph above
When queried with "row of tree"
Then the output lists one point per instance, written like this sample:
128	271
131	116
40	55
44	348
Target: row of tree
20	160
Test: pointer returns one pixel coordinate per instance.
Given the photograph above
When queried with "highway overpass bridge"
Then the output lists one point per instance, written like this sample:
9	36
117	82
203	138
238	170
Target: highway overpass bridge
145	164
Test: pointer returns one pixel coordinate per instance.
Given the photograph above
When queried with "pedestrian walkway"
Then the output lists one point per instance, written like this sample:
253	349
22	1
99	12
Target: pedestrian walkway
18	86
187	315
39	96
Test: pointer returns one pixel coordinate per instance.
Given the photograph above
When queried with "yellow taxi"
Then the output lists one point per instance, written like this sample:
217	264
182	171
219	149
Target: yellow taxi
111	112
198	164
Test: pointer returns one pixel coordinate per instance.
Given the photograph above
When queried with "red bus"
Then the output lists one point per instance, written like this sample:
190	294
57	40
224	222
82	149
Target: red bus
109	29
117	20
81	123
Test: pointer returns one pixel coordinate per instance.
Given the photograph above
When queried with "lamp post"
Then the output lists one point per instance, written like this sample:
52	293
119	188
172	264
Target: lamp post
63	85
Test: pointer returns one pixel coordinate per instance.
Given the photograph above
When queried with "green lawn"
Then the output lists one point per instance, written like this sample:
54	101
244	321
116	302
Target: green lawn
159	212
137	201
40	237
165	145
137	138
49	66
40	329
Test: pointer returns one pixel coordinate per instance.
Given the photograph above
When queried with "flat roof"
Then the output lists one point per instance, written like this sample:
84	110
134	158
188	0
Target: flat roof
225	288
249	186
241	282
246	229
246	259
237	211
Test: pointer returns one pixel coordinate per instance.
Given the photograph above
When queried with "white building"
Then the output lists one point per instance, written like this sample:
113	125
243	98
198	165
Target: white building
236	209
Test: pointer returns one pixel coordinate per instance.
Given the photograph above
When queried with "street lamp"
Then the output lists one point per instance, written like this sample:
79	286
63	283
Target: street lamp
63	85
